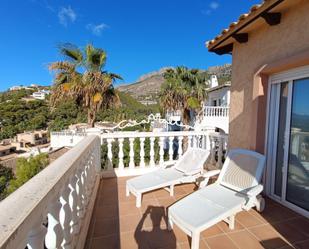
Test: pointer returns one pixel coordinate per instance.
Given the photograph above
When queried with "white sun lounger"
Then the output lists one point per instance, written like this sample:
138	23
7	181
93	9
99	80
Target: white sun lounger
236	189
187	169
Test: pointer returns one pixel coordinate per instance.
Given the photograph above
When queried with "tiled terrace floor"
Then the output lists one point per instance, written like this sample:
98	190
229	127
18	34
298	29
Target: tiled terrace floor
117	223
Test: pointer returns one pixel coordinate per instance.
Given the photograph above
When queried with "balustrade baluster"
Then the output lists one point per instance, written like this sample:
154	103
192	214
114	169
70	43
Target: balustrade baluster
73	200
212	150
171	148
152	152
131	163
142	152
189	141
54	235
120	154
65	216
109	154
161	152
220	152
180	151
36	236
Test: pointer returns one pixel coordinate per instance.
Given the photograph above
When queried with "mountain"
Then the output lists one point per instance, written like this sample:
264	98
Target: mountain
147	87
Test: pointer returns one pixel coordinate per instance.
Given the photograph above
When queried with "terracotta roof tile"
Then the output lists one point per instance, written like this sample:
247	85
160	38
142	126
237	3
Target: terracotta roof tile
242	17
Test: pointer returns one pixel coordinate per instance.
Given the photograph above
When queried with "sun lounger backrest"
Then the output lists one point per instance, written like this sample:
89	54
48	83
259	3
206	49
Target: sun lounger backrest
192	161
242	169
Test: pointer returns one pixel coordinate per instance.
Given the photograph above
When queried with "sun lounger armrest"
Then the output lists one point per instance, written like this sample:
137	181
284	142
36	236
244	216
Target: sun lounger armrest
255	191
206	176
167	164
211	173
252	196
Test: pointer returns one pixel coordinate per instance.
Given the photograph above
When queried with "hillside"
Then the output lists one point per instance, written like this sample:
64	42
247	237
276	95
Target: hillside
148	86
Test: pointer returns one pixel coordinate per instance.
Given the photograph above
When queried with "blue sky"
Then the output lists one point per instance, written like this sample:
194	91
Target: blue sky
139	36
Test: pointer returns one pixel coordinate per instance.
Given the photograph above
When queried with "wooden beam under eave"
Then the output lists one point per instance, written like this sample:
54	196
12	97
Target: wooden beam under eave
272	18
241	37
227	49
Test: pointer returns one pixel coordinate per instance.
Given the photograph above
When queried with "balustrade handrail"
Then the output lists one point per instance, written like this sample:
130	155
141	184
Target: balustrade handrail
27	207
137	134
216	107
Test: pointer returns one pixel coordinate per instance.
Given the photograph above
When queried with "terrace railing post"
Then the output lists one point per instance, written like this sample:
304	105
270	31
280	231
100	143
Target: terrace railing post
142	152
131	163
161	152
109	154
152	152
65	215
54	234
36	236
171	149
120	154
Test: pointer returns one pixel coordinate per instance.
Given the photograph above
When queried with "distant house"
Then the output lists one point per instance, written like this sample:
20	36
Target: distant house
218	95
16	88
6	150
269	109
32	138
40	94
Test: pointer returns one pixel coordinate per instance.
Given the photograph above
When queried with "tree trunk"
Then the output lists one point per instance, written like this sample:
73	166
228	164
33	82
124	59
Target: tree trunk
91	117
186	121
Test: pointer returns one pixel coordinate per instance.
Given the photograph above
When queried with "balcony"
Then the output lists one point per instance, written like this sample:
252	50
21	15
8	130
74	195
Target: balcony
74	203
215	116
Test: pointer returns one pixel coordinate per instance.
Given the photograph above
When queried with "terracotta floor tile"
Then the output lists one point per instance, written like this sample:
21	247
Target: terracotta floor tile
302	245
187	245
302	224
248	220
220	242
108	242
128	208
245	240
268	236
106	211
289	232
105	227
130	223
117	223
166	202
212	231
225	227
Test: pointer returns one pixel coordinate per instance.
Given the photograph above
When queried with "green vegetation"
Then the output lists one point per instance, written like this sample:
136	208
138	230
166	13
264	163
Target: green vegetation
17	115
6	174
184	90
25	170
81	76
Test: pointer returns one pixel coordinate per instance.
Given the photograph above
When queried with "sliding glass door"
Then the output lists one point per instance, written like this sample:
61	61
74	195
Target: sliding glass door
288	142
297	187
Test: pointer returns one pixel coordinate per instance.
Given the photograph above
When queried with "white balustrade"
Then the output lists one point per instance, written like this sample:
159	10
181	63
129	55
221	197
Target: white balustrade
216	111
55	206
160	144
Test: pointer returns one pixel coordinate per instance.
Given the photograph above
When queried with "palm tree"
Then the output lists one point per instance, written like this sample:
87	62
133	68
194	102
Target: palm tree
184	90
81	76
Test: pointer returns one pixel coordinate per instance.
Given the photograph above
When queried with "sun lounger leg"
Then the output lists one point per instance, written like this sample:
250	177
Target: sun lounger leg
195	241
231	222
127	191
138	200
170	224
172	190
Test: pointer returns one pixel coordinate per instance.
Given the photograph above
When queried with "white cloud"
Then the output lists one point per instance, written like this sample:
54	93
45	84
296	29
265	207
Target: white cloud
214	5
66	15
211	7
97	29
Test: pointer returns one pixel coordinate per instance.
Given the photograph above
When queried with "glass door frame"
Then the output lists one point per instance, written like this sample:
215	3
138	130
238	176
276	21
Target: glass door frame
273	100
